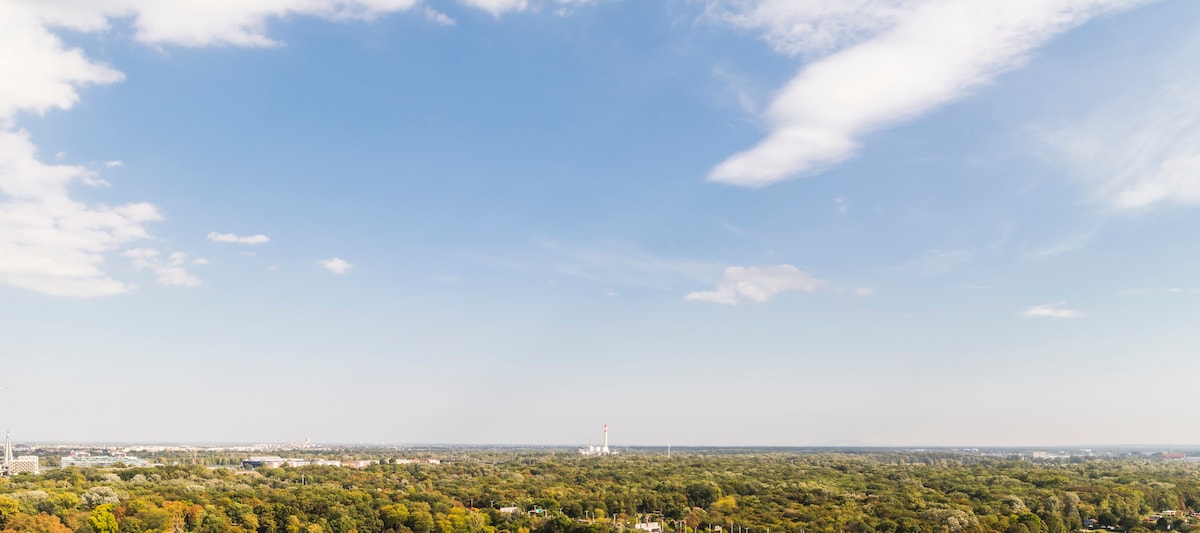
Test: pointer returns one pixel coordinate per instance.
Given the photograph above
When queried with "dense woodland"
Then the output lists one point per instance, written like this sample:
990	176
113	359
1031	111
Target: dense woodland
782	493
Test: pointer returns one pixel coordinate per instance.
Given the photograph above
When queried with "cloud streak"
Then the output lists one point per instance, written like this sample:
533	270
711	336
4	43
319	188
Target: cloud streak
894	61
757	284
1054	311
1142	149
238	239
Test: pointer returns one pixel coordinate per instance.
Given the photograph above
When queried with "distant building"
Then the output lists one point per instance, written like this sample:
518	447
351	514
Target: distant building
649	527
269	461
508	510
1174	455
274	461
25	464
597	450
85	459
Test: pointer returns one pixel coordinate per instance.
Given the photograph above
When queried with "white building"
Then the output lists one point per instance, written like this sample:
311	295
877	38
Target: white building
598	450
86	460
649	527
25	464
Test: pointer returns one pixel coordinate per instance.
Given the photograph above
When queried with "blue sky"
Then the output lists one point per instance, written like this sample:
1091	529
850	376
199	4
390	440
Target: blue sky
505	221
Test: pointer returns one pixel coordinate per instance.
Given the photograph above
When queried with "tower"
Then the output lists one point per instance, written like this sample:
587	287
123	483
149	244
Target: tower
8	458
605	448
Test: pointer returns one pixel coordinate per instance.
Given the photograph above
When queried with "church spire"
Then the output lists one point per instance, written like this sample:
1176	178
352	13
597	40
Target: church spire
8	458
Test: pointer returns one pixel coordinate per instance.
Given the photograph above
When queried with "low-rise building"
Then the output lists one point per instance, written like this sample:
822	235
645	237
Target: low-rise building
86	459
649	527
269	461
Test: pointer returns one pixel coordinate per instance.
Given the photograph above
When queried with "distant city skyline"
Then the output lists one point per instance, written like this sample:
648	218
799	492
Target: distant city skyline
762	222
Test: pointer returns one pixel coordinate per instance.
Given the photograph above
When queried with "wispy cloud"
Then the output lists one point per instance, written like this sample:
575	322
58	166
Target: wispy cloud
972	287
437	17
169	270
336	265
611	264
741	90
1069	245
891	60
238	239
114	164
1141	149
1052	311
757	284
939	261
1170	290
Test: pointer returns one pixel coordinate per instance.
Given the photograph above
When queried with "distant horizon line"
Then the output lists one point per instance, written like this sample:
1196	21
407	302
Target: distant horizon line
834	446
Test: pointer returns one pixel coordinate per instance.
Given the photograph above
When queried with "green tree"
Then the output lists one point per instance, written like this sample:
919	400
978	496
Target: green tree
8	509
102	520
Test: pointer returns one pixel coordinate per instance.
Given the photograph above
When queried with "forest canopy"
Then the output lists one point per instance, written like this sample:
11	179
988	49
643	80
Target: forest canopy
549	492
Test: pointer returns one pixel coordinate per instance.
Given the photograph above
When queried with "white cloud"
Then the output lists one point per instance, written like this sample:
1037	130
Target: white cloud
49	242
114	164
757	284
220	22
1053	311
437	17
1142	149
200	261
842	206
167	271
892	61
498	7
238	239
37	72
336	265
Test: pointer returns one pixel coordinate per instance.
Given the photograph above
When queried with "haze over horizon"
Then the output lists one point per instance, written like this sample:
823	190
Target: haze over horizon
719	222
